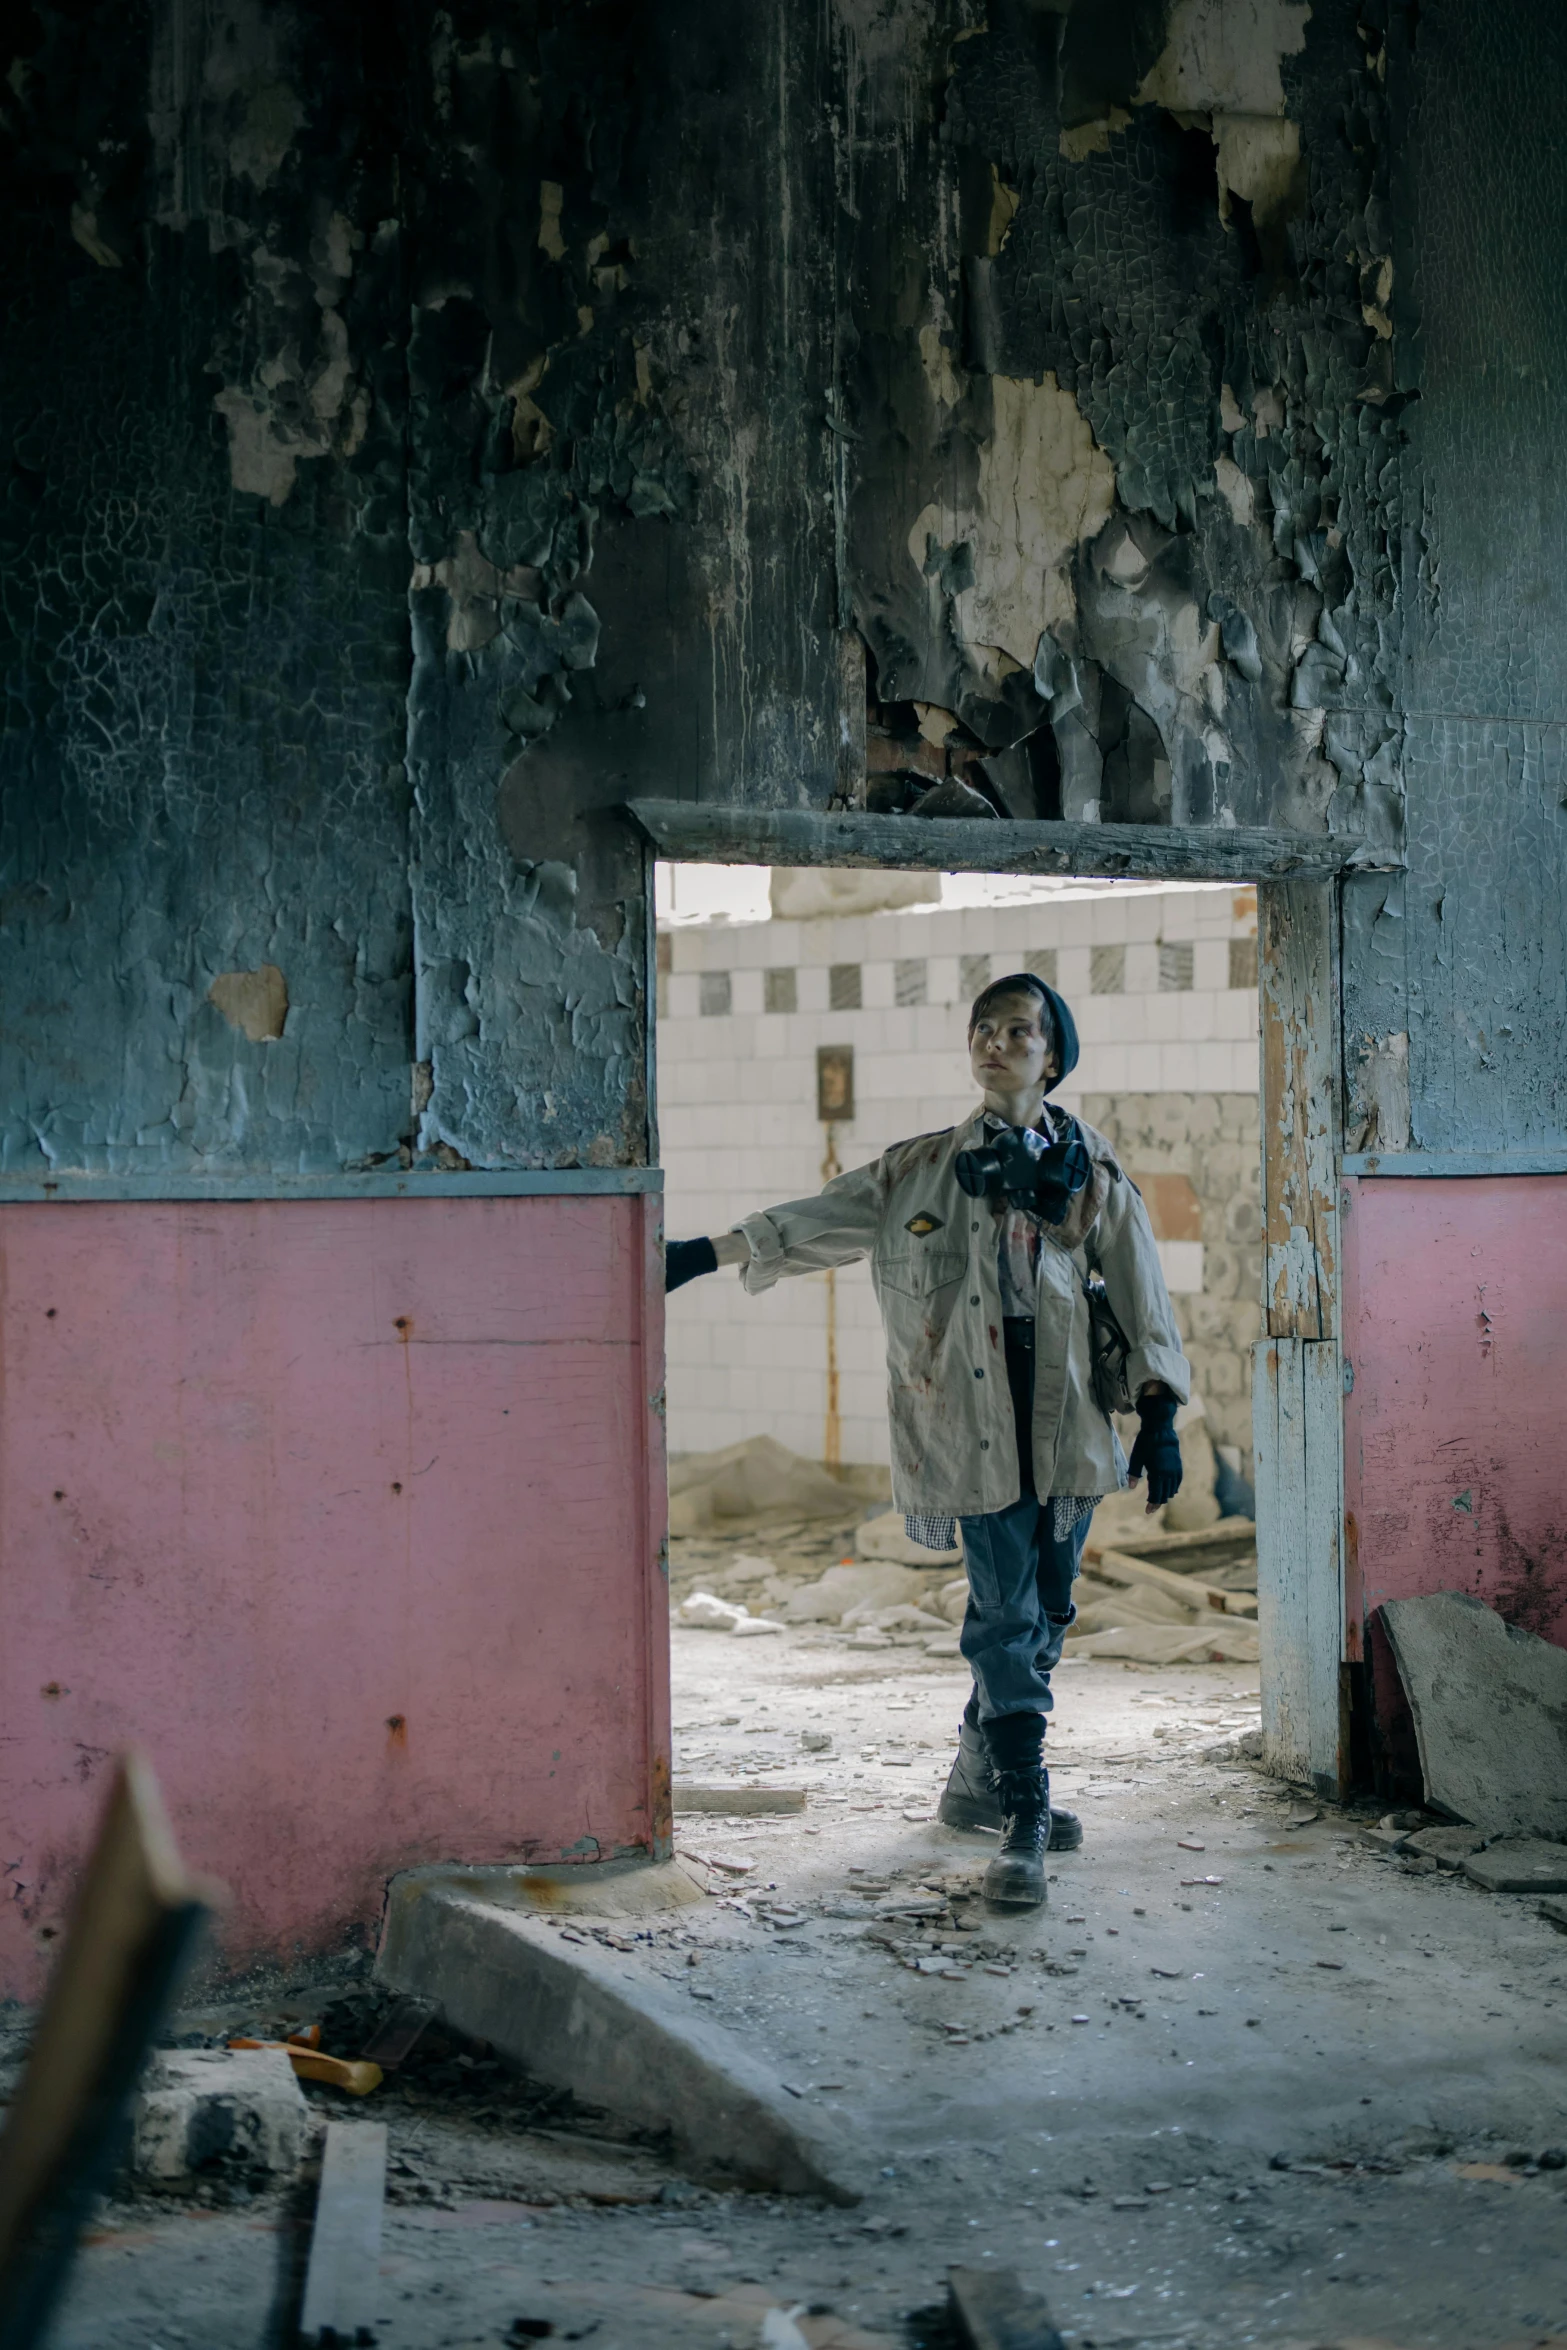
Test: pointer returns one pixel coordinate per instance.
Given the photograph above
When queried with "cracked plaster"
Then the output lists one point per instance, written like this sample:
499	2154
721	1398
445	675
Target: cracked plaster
387	506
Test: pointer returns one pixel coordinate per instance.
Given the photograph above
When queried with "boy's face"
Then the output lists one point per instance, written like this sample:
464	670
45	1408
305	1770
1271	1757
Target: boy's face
1010	1047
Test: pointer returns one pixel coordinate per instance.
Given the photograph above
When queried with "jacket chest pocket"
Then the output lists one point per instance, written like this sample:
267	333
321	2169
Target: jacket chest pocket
922	1271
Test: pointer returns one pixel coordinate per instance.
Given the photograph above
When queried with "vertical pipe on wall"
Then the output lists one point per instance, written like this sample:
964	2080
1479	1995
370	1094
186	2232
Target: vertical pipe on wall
832	1434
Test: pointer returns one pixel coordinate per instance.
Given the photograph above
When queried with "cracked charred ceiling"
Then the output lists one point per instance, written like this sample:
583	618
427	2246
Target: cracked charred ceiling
427	432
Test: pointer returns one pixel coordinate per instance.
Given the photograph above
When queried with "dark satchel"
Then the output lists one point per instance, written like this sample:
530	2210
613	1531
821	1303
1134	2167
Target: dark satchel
1108	1352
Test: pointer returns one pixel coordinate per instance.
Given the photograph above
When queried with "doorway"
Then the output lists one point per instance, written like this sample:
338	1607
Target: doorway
809	1019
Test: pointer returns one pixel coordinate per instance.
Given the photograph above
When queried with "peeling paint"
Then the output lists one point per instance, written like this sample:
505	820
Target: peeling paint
1221	647
1377	1113
1042	489
1238	491
254	1002
1259	160
551	198
412	461
1223	56
301	400
84	228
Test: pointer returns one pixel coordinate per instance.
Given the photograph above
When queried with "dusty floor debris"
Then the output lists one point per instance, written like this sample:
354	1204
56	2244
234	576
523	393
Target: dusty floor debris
1247	2079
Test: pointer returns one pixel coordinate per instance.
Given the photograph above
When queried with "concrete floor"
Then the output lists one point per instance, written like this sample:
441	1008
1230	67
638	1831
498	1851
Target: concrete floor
1095	2095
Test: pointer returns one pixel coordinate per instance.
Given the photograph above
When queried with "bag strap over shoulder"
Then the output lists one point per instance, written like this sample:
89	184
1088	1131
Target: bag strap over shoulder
1109	1351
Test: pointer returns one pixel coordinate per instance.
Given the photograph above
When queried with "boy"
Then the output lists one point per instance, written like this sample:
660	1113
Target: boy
980	1241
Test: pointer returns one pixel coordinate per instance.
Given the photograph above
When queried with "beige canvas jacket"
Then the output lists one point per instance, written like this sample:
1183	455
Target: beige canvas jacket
933	1259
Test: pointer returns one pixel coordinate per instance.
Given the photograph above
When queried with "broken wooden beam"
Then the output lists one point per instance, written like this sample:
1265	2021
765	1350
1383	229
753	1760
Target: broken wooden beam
1222	1544
1120	1566
696	832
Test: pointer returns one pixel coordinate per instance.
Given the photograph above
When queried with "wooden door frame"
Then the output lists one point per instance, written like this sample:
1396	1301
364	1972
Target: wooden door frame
1298	1391
1298	1398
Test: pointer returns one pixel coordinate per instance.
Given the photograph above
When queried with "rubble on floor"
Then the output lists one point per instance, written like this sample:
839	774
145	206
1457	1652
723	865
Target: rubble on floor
220	2127
558	2000
846	1588
1153	1592
1490	1706
1519	1864
1416	1842
1101	1607
1234	2079
1450	1845
1153	1595
761	1479
239	2109
704	1611
1226	1642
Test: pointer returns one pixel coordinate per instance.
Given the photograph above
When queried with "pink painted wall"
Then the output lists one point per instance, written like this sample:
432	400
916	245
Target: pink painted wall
349	1512
1455	1309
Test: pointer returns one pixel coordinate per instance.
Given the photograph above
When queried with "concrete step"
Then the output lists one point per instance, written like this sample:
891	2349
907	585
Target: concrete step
580	2017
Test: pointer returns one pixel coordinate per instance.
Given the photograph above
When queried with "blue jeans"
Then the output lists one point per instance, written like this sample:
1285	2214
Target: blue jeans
1020	1604
1020	1577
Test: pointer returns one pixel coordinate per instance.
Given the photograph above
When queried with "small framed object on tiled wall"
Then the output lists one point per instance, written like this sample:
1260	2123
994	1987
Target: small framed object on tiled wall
835	1083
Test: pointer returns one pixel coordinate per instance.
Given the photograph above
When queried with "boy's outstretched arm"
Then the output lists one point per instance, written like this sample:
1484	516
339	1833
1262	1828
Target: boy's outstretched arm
836	1226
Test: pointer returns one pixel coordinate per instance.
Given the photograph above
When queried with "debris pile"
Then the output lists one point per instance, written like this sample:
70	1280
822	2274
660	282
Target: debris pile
1489	1701
1490	1706
1166	1597
757	1480
1156	1589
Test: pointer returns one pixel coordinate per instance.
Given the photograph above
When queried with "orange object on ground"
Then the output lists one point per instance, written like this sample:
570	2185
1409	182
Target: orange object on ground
355	2074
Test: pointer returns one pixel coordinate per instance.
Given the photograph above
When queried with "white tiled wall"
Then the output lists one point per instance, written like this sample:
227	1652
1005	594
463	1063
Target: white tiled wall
737	1111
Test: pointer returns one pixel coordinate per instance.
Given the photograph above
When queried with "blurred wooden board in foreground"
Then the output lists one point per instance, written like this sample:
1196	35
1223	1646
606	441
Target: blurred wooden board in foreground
131	1930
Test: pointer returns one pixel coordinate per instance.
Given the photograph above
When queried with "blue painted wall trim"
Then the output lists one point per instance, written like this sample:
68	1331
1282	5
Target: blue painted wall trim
548	1183
1454	1163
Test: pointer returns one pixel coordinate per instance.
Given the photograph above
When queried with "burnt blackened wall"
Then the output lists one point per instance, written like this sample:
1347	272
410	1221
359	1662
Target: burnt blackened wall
621	520
1455	975
418	441
203	564
426	434
1126	489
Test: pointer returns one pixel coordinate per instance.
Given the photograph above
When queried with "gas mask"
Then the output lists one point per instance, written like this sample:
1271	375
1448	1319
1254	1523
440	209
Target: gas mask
1027	1170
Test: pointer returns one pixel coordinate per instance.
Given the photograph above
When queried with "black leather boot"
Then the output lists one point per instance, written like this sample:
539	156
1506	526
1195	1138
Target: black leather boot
1015	1879
970	1800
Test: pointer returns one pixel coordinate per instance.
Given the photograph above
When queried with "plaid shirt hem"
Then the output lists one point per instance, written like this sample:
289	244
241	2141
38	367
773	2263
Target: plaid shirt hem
1067	1510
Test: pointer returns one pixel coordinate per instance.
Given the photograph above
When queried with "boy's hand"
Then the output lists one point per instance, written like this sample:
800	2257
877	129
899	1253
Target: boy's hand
1157	1452
685	1259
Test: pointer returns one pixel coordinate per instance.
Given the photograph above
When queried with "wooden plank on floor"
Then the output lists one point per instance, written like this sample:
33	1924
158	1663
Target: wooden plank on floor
1124	1566
994	2312
343	2281
692	1796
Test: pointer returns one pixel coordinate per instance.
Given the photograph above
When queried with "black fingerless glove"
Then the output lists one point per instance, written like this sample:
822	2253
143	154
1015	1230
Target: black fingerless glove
685	1259
1157	1453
